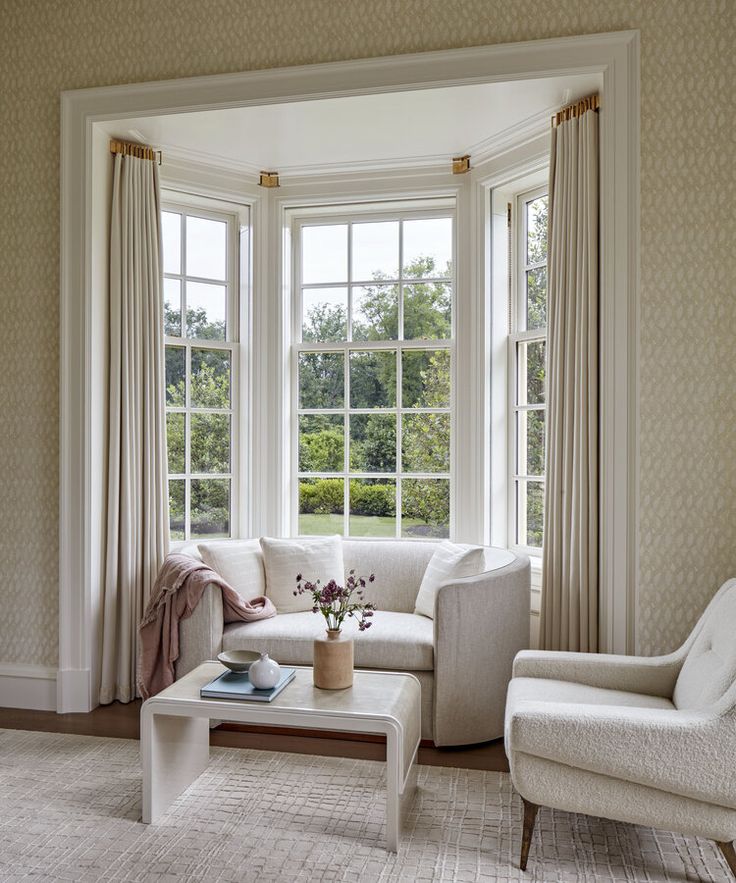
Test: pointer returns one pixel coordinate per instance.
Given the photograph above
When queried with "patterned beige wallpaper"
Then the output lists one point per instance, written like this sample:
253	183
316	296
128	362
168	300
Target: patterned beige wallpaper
688	301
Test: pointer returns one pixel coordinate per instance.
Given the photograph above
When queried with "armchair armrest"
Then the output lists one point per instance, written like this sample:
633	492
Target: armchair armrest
200	635
480	623
681	752
652	676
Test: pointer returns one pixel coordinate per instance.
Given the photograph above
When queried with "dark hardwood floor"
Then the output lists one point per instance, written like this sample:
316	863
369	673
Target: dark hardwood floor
121	721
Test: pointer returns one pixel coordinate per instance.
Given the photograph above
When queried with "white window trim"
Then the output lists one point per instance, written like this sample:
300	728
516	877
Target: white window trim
85	188
413	209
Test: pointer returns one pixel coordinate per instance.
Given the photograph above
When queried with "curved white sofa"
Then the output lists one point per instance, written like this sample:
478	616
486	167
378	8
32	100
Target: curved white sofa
463	657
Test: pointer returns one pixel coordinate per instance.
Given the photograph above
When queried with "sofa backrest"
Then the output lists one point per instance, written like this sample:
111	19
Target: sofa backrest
709	669
398	565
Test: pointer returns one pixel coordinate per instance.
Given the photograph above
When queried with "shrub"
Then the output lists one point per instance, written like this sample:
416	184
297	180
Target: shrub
322	496
372	499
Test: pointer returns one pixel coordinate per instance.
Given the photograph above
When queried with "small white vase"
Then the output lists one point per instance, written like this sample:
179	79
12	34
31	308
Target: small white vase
264	673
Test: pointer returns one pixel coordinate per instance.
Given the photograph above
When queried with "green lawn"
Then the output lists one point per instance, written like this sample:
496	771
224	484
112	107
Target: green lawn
361	525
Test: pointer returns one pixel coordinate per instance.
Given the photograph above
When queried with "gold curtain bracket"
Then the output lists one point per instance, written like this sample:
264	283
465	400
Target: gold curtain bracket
592	102
141	151
269	179
461	164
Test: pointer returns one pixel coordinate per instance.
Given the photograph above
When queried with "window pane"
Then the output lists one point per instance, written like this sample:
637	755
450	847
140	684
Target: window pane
172	307
324	314
210	507
177	509
176	360
428	311
375	251
530	436
171	238
206	310
325	254
321	380
210	380
425	378
531	372
425	443
536	298
175	427
210	443
425	507
206	248
321	443
536	230
373	442
530	512
376	312
428	248
373	379
321	506
372	508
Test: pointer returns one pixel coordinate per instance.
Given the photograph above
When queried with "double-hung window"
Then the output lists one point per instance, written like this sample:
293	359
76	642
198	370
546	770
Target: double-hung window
527	393
201	286
372	380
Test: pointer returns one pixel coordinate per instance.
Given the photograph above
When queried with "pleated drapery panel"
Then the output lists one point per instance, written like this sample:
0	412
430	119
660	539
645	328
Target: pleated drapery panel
136	535
569	612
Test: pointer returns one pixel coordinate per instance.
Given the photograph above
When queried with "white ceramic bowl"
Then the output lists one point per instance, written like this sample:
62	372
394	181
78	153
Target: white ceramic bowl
238	660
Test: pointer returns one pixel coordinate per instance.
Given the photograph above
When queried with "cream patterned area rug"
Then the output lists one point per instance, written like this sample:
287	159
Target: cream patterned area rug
70	809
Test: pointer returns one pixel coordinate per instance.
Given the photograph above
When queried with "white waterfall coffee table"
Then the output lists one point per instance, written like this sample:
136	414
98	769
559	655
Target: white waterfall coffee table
175	730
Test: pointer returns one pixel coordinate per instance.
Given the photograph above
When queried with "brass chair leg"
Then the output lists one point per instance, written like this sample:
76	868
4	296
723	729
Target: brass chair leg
530	817
729	853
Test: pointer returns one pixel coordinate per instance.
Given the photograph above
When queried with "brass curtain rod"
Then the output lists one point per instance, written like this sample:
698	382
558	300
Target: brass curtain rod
592	102
141	151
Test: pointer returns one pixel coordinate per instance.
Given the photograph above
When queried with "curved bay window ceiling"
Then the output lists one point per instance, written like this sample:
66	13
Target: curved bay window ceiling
201	257
372	373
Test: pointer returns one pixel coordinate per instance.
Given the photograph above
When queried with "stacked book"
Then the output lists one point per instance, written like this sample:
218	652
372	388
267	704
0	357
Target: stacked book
236	685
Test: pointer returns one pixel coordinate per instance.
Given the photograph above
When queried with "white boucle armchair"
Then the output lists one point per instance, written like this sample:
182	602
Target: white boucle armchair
651	741
462	658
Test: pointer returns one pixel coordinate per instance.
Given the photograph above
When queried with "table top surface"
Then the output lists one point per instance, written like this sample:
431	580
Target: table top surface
374	694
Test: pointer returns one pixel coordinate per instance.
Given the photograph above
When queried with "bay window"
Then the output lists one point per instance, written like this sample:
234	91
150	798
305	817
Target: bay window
201	259
527	346
372	360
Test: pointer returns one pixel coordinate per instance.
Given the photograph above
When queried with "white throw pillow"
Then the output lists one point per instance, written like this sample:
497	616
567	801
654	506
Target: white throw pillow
239	562
450	561
315	559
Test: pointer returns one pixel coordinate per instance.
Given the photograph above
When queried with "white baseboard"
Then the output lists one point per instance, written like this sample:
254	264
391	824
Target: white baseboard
27	686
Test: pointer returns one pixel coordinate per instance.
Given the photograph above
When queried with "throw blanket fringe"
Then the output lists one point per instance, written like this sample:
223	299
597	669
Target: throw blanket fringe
177	591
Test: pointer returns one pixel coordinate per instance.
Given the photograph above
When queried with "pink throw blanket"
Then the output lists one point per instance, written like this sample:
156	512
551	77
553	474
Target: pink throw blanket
177	591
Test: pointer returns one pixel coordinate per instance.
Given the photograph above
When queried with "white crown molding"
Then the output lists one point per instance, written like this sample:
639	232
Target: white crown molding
512	137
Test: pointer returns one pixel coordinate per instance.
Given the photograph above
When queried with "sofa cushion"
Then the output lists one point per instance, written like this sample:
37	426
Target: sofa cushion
315	559
450	561
395	641
239	562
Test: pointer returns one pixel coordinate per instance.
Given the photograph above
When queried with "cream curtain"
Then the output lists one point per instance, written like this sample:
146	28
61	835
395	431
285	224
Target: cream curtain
569	614
137	509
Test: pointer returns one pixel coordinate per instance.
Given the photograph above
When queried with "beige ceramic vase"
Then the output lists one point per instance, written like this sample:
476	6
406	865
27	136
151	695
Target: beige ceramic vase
333	661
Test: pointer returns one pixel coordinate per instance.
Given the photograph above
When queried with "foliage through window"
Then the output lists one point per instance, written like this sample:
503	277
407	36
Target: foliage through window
373	375
200	313
527	347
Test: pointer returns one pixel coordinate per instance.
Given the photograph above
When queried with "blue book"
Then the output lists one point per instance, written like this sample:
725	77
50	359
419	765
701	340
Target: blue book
237	685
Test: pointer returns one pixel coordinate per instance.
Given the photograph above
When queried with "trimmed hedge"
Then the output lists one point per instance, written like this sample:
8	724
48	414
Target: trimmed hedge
323	496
